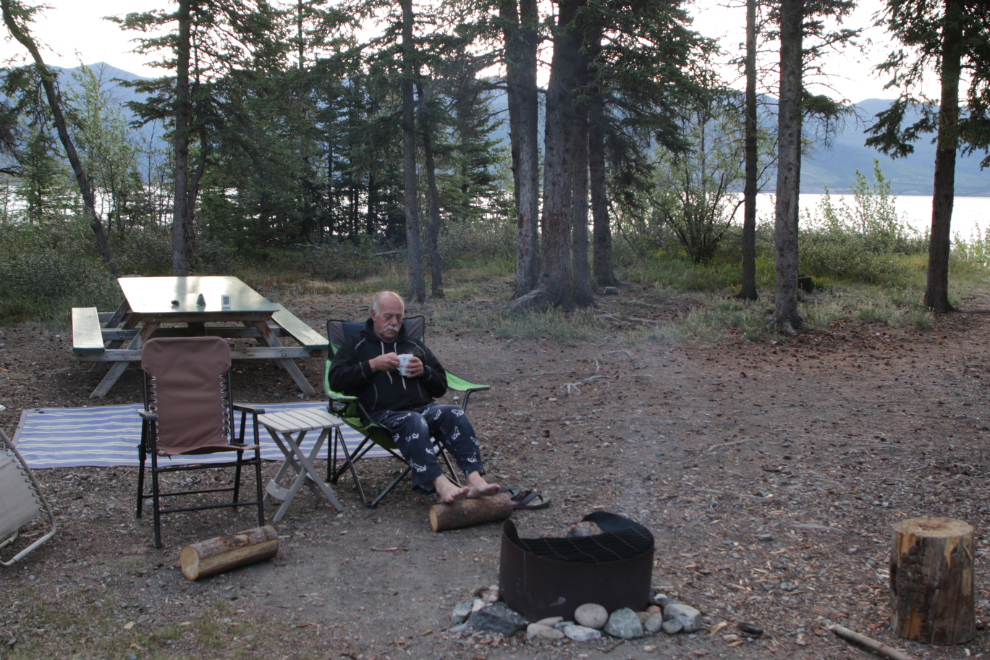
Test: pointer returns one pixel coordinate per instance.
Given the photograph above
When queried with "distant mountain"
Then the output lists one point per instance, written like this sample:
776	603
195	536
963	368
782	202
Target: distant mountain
913	175
111	77
835	167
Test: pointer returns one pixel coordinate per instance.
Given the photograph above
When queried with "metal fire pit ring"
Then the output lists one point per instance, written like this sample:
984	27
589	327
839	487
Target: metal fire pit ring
545	577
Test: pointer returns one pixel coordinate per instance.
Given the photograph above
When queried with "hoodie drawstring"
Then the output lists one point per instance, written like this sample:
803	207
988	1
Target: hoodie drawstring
389	373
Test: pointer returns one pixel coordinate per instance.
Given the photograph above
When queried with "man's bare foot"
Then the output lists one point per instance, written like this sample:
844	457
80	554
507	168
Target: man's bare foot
449	491
478	487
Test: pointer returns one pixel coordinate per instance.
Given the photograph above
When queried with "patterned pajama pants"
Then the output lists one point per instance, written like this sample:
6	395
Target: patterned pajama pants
411	431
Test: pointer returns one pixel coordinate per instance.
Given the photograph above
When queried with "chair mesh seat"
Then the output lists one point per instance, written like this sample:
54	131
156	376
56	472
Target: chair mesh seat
19	502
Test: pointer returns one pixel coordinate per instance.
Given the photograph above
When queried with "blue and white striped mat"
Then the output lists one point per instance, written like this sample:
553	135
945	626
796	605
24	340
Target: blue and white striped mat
108	436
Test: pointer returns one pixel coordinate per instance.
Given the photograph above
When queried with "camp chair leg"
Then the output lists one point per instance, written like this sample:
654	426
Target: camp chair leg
444	454
349	462
10	540
257	481
450	468
142	456
388	490
237	475
351	458
244	409
155	503
363	448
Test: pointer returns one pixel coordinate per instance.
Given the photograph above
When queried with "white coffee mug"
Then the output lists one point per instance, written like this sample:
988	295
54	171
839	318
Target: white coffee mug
404	363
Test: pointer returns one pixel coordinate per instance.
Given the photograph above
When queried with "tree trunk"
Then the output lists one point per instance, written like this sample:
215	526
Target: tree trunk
931	581
509	15
788	165
602	232
181	231
521	40
433	230
748	290
602	250
937	290
417	284
579	198
371	217
555	287
47	82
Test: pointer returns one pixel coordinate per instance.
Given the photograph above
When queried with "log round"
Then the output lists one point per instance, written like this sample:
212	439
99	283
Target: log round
465	513
931	581
223	553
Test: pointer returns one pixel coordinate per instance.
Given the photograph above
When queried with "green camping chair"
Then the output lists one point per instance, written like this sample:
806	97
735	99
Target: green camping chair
350	410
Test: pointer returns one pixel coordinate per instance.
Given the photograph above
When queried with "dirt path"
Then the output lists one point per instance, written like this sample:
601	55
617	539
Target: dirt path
770	474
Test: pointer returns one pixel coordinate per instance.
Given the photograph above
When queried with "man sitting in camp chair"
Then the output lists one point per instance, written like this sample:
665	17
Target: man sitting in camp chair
367	366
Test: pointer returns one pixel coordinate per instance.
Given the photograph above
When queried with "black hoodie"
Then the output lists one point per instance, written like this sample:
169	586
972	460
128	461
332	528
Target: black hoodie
377	391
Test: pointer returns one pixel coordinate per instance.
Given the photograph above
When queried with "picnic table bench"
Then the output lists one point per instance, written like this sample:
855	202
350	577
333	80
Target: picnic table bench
116	337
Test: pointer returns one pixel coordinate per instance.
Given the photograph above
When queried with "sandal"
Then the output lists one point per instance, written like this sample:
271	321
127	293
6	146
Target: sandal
529	500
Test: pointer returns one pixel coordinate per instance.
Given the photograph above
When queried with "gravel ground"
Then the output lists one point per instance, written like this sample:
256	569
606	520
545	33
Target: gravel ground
769	472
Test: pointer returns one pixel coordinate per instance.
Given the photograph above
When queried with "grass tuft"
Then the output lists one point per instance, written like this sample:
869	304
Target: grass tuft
554	325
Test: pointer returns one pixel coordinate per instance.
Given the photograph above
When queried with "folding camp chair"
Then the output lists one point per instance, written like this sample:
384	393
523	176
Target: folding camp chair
350	410
21	500
189	409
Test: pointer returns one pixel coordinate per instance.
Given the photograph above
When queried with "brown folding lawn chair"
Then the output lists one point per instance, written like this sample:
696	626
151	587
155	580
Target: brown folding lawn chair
189	409
21	501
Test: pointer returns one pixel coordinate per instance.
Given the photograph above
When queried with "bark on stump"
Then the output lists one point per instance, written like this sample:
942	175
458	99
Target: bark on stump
223	553
465	513
931	581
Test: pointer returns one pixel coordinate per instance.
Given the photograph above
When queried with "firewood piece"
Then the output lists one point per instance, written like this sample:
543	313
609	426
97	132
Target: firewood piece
931	581
465	513
870	643
223	553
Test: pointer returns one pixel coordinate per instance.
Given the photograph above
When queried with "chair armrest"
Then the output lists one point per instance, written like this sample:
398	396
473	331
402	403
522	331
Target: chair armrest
343	398
458	384
247	409
148	416
339	403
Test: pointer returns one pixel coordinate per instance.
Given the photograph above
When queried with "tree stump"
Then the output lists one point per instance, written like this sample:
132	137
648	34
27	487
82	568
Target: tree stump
931	581
464	513
223	553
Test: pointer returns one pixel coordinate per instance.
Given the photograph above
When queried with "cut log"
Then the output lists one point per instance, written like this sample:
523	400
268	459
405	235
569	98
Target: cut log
223	553
465	513
931	581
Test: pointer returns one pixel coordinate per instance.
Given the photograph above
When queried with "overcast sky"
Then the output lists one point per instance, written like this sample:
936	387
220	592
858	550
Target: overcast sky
74	32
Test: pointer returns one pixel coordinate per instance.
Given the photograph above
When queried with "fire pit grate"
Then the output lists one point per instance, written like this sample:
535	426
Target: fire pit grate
616	545
543	577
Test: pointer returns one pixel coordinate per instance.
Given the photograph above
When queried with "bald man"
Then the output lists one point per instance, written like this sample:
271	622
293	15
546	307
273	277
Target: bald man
367	366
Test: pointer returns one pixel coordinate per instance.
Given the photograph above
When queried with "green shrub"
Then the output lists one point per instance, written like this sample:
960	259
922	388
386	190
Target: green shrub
146	251
490	240
44	273
340	259
865	242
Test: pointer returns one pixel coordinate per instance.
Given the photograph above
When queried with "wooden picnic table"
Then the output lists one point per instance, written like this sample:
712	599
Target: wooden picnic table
183	306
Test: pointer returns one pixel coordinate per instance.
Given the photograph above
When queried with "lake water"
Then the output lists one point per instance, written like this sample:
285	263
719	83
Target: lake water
970	215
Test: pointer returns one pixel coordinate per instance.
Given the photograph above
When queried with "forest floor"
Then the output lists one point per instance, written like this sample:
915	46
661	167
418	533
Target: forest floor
822	441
